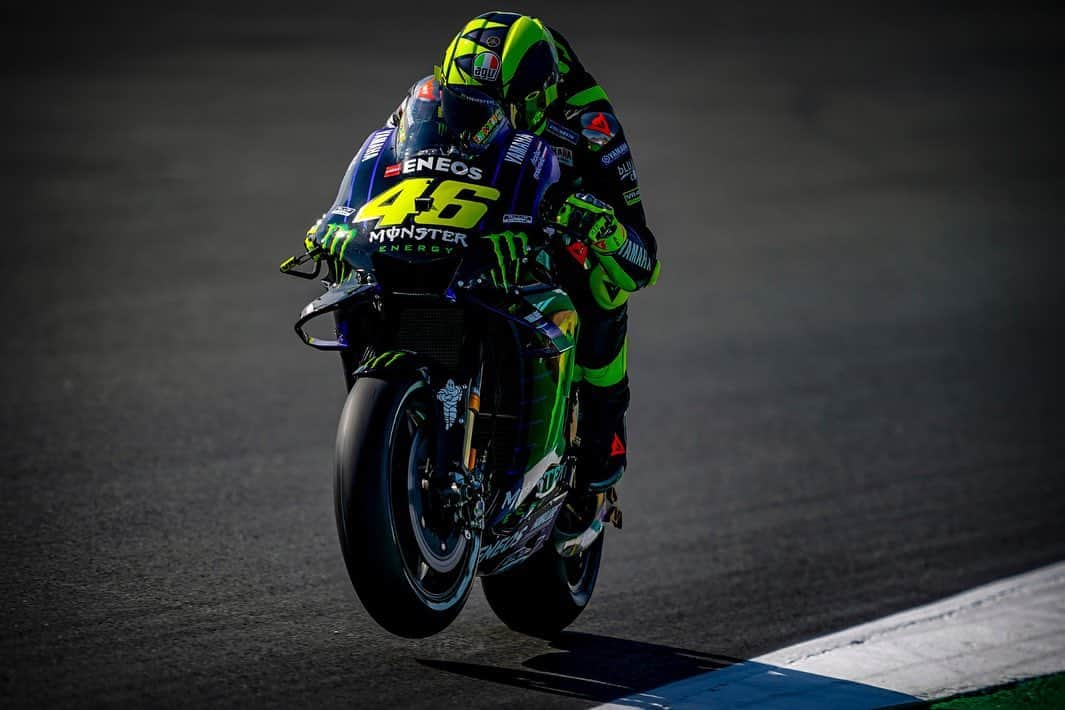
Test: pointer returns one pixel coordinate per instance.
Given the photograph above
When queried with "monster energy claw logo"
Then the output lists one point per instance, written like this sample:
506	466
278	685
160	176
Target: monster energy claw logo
509	249
449	395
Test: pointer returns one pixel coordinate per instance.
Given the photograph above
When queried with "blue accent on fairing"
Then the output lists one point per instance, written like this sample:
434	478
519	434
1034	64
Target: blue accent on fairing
342	332
551	174
353	169
388	145
499	163
521	176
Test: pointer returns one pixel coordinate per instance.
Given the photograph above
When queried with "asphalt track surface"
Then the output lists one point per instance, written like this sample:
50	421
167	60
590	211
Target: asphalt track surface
846	386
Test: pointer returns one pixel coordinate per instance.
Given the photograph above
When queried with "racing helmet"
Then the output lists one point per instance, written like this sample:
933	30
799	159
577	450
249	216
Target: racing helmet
511	57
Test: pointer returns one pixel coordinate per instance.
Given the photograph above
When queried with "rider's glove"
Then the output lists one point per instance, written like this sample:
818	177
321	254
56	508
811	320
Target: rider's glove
592	220
309	242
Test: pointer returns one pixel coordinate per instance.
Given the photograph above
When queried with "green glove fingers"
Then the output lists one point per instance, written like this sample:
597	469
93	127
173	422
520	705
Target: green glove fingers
594	220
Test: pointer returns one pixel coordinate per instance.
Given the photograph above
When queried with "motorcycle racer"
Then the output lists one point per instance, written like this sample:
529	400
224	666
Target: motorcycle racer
446	315
546	90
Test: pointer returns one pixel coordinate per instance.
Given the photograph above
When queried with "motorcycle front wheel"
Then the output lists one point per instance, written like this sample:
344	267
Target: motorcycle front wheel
411	567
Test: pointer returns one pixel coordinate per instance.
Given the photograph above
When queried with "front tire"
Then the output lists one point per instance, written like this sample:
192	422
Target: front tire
412	571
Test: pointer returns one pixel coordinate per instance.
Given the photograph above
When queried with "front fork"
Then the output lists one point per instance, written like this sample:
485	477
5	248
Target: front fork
454	485
462	481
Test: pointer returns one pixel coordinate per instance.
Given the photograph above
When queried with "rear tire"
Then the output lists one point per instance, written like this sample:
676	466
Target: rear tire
545	594
412	573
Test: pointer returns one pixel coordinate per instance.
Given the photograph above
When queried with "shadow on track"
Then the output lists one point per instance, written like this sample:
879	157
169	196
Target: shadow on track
595	668
602	669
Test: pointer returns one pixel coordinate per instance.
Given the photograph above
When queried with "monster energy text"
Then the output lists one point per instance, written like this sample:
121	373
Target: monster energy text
418	234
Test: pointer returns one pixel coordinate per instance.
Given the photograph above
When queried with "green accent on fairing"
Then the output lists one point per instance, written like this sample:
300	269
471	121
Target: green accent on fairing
611	373
378	361
550	303
333	242
607	294
329	230
512	259
340	239
551	380
347	242
515	255
583	98
544	301
494	238
654	274
523	34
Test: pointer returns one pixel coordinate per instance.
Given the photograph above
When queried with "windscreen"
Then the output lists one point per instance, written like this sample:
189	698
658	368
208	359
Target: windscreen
447	119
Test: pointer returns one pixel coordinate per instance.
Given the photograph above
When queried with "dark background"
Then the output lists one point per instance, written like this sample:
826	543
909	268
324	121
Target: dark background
846	385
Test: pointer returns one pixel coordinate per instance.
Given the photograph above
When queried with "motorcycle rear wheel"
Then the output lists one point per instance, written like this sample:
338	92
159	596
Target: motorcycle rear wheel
545	594
412	570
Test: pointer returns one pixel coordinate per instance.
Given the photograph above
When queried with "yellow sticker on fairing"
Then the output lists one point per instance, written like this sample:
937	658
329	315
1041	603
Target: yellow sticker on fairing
449	204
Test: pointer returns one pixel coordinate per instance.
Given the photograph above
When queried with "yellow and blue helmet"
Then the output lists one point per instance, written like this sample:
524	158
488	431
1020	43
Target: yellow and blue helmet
510	57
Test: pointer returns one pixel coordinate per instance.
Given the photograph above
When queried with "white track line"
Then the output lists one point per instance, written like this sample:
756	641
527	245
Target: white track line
1004	631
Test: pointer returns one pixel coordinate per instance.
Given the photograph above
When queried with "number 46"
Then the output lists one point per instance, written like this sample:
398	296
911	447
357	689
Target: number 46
397	203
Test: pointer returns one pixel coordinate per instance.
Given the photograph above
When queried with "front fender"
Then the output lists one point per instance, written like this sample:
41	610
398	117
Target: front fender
393	364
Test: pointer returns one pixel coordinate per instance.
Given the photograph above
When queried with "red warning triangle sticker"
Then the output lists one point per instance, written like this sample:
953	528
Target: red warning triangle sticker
617	446
578	251
599	123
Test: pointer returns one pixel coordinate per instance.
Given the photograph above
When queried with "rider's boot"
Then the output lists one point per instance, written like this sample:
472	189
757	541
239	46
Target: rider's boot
601	430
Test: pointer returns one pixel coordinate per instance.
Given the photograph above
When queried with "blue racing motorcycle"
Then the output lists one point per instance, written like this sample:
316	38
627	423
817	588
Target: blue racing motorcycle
455	447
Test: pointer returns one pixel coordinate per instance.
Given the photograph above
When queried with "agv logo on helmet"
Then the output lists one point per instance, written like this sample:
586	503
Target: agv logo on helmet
486	66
